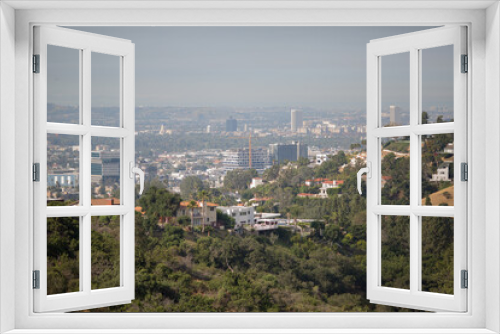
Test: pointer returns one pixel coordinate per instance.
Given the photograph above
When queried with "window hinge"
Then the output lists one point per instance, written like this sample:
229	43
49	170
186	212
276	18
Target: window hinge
36	172
465	279
465	64
36	63
464	171
36	279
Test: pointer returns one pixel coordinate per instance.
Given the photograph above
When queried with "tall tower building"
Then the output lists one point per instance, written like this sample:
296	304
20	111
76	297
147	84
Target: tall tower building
395	115
231	124
297	121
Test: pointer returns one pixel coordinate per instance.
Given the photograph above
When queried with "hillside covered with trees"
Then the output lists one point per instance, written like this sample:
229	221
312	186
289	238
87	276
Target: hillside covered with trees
179	269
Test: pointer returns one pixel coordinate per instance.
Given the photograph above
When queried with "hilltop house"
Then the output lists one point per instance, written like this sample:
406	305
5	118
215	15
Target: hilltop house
443	173
325	185
241	214
208	210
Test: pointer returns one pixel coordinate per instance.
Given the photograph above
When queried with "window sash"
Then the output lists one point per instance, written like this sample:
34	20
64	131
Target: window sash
413	43
86	44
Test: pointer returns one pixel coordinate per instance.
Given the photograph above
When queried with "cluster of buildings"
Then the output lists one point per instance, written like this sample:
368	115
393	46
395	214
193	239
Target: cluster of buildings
63	179
244	216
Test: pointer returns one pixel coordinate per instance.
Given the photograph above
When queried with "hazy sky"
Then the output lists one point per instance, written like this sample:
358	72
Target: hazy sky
323	67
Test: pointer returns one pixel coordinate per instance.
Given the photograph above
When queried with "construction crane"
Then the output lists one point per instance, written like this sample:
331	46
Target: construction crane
249	148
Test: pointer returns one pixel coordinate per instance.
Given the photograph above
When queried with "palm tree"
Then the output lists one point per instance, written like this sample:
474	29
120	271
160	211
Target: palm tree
203	195
191	205
295	210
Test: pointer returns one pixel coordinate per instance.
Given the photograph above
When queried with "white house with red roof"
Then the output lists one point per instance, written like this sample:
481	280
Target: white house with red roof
325	185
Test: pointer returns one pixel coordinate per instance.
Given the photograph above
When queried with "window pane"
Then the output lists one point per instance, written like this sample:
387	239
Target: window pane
437	170
105	90
63	249
395	170
395	86
105	170
437	254
105	252
437	84
63	169
396	252
63	84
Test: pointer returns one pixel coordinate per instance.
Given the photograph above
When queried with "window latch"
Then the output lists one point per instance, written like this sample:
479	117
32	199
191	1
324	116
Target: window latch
136	170
368	171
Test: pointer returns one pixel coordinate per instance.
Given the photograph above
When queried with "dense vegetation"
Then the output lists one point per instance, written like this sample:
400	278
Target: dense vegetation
321	267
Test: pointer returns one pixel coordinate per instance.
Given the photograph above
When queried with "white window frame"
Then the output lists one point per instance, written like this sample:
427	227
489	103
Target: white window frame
413	44
483	21
123	50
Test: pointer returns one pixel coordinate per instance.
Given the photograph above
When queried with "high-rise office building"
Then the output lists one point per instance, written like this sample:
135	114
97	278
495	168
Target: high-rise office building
279	153
395	115
239	159
105	166
231	124
297	120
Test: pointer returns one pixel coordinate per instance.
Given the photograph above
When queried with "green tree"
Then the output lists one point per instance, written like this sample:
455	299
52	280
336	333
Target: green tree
203	195
226	219
239	179
159	205
191	206
190	186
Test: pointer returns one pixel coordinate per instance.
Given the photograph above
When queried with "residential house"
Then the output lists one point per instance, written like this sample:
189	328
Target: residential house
241	214
443	173
209	211
325	185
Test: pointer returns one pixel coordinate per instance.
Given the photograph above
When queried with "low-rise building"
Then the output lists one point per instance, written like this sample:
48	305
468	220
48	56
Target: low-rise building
305	195
208	210
320	158
256	201
315	182
443	173
242	214
256	181
323	191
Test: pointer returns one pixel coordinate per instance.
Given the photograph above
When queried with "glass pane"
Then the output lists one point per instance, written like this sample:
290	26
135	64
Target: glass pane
395	170
63	169
396	252
63	248
105	170
105	252
437	84
63	85
105	90
437	254
437	170
395	87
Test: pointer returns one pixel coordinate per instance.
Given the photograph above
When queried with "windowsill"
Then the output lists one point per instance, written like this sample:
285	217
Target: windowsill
253	331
